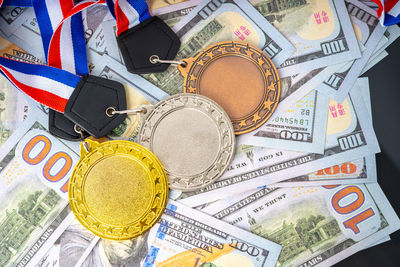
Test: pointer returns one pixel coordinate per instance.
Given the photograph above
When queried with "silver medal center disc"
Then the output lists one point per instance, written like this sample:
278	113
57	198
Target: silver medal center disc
192	136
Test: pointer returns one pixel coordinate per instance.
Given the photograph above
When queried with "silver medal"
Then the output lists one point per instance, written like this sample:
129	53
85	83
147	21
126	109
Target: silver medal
192	136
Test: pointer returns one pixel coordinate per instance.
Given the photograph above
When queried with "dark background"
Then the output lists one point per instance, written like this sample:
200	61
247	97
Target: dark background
384	82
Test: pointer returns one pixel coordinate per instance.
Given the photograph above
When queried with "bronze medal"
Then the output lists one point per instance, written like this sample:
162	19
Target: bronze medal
240	78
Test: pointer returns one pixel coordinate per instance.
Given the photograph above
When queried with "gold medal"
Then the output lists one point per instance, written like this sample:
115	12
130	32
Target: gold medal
118	189
240	78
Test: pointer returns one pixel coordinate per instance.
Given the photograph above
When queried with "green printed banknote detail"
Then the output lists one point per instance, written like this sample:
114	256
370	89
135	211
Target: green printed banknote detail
35	170
187	237
314	225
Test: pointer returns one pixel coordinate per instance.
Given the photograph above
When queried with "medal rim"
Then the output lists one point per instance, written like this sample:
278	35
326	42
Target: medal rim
146	141
194	61
143	222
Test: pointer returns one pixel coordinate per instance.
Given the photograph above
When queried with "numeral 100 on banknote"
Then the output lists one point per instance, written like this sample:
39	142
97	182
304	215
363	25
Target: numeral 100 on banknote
345	168
353	207
46	155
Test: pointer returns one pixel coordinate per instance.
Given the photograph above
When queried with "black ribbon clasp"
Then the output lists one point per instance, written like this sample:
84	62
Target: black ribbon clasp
150	38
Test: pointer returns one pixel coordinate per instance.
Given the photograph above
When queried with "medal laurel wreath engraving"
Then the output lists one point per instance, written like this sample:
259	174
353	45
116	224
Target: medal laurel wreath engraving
118	189
240	78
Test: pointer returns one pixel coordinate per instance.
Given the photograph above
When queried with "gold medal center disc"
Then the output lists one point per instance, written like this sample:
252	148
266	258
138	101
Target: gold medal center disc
118	190
240	78
105	196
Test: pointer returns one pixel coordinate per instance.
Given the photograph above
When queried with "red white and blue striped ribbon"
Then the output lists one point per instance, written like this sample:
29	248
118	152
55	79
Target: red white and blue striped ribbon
54	16
47	85
128	13
388	12
57	25
60	23
67	47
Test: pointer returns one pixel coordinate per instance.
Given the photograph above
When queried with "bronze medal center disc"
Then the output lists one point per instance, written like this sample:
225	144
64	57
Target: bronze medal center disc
232	81
118	190
186	141
240	77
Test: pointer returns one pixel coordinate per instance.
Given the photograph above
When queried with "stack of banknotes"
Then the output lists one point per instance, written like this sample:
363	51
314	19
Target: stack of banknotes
302	190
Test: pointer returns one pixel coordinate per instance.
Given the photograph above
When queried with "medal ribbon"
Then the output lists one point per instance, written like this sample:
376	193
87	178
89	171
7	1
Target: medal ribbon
47	85
61	26
128	13
60	23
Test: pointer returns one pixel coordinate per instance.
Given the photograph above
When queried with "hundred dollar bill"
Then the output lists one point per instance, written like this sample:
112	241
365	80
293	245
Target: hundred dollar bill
187	237
34	172
381	44
316	226
349	136
320	29
69	248
361	170
355	171
109	28
300	128
217	21
367	27
11	51
12	17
